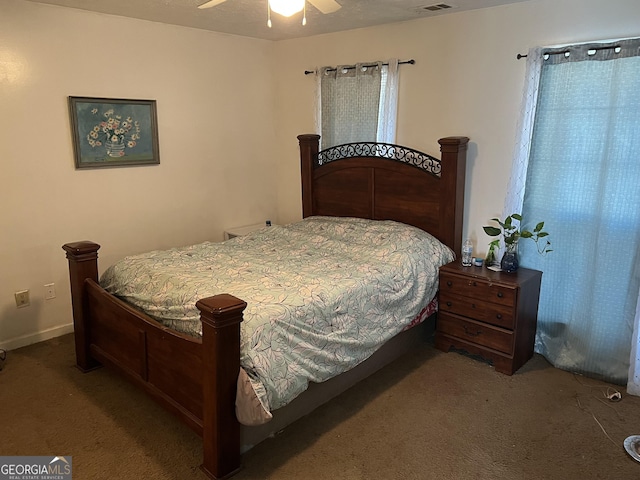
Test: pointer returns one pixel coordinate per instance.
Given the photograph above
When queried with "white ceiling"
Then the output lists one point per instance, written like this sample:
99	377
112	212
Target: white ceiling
249	17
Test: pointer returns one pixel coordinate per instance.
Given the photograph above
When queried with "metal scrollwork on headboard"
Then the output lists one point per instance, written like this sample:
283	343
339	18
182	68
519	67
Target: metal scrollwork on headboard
381	150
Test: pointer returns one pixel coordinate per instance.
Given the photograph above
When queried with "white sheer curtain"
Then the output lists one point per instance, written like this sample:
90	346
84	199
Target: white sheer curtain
633	384
358	103
524	131
388	111
580	164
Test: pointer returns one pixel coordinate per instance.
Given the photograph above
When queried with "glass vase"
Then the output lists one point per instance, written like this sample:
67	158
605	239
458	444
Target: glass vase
509	262
115	149
491	260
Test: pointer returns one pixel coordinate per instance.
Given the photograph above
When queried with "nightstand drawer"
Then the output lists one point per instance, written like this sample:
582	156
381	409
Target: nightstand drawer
476	332
476	288
500	315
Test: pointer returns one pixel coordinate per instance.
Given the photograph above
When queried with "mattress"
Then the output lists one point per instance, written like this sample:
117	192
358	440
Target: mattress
322	294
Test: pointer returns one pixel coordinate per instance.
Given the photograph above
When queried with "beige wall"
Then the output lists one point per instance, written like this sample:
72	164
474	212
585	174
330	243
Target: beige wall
229	111
215	97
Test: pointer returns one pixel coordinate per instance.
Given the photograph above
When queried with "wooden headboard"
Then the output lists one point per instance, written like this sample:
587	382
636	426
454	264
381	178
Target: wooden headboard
387	182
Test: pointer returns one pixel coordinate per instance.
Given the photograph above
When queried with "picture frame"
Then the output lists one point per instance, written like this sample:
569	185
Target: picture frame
113	132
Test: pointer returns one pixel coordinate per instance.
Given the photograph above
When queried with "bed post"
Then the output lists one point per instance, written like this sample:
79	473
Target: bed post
309	146
454	167
83	265
221	317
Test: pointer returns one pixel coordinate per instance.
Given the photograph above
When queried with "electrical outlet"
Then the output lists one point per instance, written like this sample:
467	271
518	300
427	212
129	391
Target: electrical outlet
49	291
22	298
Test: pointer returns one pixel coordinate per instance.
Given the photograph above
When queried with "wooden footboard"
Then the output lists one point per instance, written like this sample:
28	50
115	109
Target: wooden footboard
195	379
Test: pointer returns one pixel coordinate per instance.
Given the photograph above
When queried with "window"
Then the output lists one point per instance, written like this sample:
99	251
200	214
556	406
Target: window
358	103
582	179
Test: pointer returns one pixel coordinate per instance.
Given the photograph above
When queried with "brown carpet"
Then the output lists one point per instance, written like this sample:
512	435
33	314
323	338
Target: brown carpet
430	415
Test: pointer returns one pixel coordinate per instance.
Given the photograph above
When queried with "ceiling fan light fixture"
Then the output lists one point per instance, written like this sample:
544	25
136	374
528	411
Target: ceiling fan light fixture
286	8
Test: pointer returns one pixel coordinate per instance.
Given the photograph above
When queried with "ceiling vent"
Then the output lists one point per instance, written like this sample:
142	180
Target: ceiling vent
437	7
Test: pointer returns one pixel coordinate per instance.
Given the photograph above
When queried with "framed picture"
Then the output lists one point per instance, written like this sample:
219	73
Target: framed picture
109	132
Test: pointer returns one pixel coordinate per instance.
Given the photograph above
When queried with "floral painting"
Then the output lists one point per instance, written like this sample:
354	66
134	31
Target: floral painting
113	132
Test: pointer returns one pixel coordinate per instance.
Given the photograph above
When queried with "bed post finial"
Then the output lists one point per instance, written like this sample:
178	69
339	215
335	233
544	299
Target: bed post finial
83	265
309	147
454	159
221	316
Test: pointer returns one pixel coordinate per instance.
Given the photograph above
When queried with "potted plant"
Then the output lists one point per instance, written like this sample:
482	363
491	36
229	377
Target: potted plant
511	233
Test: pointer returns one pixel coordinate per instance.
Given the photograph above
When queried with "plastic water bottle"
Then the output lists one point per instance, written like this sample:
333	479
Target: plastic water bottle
467	251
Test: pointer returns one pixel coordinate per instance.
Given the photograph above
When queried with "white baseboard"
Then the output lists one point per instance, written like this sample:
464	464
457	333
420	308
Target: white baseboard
25	340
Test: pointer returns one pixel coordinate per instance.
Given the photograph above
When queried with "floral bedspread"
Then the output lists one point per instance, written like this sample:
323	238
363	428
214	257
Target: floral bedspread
322	294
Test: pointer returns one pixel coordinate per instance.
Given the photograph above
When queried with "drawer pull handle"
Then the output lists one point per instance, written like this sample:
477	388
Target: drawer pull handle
472	284
500	295
448	304
472	334
449	283
499	316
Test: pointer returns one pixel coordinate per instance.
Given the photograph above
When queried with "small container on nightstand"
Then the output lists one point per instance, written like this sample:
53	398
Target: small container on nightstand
487	313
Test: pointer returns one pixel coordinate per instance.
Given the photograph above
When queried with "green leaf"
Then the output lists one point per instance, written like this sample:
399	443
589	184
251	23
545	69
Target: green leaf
516	216
492	231
538	227
543	234
526	234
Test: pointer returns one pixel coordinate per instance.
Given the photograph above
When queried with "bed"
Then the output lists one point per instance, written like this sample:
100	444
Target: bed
197	377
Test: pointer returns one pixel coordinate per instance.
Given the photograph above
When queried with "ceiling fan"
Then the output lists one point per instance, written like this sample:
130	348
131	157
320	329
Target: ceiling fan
287	7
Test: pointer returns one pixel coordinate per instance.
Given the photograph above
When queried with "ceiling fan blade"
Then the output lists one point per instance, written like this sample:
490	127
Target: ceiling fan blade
211	3
326	6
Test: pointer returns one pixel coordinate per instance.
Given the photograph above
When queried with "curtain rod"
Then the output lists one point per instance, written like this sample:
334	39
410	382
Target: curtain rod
608	47
410	62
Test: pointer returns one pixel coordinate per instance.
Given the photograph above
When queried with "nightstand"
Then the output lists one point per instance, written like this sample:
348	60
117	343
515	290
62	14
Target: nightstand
241	231
487	313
